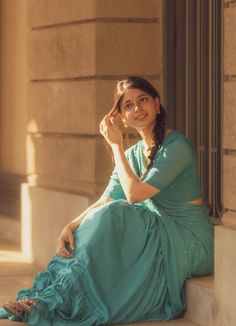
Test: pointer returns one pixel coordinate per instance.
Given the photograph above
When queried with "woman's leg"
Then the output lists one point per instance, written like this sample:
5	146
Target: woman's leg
114	262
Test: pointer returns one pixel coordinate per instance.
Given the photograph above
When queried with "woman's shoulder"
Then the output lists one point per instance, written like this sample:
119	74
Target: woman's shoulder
176	137
177	144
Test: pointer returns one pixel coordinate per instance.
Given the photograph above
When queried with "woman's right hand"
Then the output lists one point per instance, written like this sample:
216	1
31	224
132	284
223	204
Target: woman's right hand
66	237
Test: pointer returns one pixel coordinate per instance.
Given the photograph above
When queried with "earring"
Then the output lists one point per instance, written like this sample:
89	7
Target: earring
125	124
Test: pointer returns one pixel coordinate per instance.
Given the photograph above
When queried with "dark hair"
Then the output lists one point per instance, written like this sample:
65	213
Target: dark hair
135	82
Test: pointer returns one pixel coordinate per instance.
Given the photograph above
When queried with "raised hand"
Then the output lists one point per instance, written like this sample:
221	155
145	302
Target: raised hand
110	130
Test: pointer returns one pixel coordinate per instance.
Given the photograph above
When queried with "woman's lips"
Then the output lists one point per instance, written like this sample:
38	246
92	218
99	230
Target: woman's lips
141	116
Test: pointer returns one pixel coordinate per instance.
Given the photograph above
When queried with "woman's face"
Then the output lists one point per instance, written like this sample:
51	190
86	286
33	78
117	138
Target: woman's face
139	109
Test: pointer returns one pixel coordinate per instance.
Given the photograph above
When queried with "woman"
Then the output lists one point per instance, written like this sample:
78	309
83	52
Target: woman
126	257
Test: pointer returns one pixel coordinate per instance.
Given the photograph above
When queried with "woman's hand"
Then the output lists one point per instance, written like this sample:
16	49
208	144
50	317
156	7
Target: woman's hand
66	237
110	130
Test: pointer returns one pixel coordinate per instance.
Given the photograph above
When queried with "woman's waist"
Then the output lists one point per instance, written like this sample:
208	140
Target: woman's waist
197	201
180	194
194	208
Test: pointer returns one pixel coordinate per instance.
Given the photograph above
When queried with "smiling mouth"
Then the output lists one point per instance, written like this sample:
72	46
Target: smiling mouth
141	116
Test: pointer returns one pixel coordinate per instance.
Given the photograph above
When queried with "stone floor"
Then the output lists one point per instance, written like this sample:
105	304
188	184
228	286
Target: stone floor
15	274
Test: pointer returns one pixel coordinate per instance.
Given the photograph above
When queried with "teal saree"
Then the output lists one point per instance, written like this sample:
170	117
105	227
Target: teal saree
131	260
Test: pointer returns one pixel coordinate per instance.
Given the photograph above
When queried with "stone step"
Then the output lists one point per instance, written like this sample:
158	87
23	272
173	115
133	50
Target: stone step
174	322
10	229
200	300
10	251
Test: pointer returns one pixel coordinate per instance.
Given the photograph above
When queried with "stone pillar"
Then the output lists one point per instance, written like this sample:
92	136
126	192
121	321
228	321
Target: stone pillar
13	114
225	263
78	49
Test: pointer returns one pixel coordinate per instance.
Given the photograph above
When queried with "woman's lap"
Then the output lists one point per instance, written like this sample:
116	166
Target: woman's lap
113	260
119	272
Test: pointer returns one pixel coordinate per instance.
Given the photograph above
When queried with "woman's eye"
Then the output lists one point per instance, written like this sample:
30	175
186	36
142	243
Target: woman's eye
144	99
129	106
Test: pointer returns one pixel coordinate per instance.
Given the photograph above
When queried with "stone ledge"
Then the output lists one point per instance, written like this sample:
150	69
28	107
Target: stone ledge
205	281
200	300
229	220
10	226
174	322
225	287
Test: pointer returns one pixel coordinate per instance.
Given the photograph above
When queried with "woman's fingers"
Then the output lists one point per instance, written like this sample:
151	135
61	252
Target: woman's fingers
106	122
65	253
62	251
72	241
110	130
107	119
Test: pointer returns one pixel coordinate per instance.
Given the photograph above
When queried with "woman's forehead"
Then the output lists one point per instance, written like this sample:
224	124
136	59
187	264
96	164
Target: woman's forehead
133	93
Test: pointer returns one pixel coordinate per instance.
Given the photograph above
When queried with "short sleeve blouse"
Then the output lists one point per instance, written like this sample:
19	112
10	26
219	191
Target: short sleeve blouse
174	170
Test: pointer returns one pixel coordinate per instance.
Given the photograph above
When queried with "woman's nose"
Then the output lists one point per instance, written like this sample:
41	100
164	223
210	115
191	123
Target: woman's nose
137	106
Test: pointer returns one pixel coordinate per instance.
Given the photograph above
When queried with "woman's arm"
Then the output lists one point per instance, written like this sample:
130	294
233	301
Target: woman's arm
67	237
135	189
77	221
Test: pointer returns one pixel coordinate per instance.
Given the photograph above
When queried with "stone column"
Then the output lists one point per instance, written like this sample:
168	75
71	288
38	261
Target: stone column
13	114
78	49
225	264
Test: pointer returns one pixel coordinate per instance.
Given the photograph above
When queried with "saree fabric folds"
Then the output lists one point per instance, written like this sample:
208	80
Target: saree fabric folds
131	259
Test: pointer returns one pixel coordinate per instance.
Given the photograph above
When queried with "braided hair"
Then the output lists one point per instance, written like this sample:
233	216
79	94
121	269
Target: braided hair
135	82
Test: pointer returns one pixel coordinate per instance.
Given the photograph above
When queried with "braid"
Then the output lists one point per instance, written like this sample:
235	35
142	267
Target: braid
159	128
159	135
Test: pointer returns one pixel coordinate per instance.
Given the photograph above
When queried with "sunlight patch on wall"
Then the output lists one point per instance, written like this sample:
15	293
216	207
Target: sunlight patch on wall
26	223
32	126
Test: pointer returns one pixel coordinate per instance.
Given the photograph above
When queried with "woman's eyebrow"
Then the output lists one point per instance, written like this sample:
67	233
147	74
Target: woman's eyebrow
129	100
143	94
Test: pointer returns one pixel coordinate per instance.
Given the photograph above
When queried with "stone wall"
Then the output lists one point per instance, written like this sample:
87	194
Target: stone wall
78	49
13	86
229	140
13	109
225	243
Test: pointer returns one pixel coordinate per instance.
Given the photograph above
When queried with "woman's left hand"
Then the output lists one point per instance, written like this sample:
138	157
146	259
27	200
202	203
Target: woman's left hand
110	130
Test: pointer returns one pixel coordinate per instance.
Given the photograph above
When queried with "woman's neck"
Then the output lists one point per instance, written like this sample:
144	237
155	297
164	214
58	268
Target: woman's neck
148	138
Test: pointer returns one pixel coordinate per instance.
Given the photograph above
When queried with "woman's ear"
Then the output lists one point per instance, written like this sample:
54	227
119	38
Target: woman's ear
124	123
